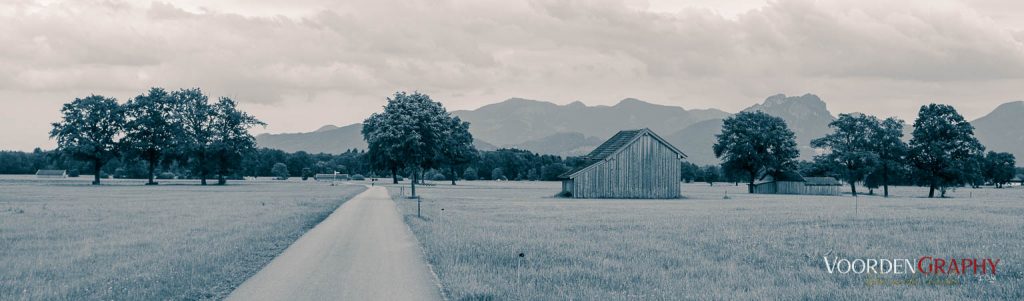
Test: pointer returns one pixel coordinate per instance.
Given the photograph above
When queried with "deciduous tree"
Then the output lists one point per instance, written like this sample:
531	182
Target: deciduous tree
943	149
150	132
849	150
409	132
456	145
755	144
999	168
887	143
231	137
196	117
90	130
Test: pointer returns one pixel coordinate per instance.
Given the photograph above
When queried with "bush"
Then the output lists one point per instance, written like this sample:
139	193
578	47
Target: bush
498	174
400	178
438	177
470	174
120	173
165	176
279	171
73	173
358	177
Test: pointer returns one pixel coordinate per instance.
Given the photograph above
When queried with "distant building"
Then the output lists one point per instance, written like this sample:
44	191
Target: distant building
51	173
1016	181
331	177
633	164
793	183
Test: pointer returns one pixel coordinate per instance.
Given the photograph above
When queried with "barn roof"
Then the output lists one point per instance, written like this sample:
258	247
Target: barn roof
50	172
614	144
821	181
785	176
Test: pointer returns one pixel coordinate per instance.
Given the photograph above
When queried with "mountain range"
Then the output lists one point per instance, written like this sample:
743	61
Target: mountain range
575	129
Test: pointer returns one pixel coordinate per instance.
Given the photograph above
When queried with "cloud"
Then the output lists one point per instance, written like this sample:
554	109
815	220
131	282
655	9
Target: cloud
349	56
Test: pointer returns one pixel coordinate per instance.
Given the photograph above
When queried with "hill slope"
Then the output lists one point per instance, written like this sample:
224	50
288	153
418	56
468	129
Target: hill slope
516	121
1002	130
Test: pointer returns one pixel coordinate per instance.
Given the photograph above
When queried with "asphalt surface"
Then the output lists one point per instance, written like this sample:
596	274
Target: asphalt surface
362	251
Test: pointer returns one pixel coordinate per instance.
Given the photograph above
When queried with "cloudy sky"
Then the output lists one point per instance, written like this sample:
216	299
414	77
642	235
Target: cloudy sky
300	64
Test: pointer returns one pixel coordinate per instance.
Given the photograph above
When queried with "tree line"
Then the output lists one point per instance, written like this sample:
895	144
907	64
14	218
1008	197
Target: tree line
182	129
181	134
941	153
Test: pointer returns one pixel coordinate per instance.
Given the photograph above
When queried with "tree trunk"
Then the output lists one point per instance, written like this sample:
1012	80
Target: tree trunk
931	190
96	174
453	174
202	168
750	187
413	182
394	175
221	180
885	180
152	168
853	188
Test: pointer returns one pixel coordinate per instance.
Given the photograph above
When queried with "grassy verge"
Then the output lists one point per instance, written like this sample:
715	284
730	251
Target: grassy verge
67	240
705	247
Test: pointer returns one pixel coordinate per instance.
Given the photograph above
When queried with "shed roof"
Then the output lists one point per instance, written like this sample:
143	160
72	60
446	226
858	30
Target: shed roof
821	181
785	176
614	144
50	172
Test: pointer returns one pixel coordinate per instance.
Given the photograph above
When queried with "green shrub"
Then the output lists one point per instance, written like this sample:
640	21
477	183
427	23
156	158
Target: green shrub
358	177
470	174
280	171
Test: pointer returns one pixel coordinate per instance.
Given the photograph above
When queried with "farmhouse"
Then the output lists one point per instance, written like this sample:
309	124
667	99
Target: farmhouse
51	173
793	183
633	164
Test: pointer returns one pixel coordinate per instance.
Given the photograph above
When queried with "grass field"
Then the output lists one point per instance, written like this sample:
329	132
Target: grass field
67	240
704	247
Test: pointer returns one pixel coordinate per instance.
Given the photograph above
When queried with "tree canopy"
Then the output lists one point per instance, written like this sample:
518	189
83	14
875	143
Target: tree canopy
943	150
89	130
849	146
150	133
756	144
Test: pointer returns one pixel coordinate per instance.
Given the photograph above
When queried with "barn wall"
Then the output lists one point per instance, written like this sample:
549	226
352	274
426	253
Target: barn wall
644	169
785	187
823	190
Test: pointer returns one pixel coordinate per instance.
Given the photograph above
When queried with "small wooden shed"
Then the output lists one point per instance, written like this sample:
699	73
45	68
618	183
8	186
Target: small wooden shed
793	183
51	173
632	164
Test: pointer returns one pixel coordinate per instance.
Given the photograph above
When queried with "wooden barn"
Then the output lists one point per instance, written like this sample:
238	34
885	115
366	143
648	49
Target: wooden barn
633	164
793	183
51	173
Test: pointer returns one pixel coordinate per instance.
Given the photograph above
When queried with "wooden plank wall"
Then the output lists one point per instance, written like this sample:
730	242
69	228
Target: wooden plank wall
785	187
646	169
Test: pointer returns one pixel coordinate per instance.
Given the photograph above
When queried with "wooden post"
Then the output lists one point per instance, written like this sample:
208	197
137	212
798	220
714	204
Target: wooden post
418	207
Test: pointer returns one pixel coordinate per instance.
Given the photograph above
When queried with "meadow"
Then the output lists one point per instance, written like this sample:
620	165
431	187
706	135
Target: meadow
514	241
64	239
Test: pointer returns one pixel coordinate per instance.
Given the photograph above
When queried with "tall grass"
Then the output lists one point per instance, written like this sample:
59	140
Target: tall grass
705	247
67	240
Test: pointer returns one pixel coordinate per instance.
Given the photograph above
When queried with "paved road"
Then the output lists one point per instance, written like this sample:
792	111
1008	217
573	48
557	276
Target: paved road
362	251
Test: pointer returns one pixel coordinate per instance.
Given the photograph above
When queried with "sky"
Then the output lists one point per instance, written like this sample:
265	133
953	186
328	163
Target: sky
301	64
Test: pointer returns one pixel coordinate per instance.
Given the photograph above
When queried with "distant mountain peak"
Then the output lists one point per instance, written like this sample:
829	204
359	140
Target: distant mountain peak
782	99
1013	105
631	101
327	128
576	104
